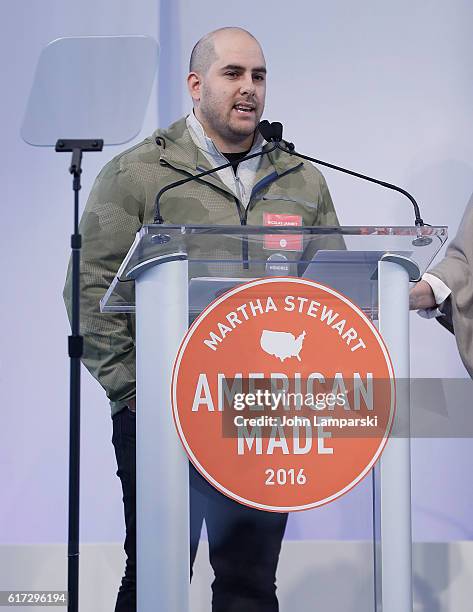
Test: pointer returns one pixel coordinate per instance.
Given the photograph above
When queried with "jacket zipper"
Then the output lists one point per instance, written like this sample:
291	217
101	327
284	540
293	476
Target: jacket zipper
238	200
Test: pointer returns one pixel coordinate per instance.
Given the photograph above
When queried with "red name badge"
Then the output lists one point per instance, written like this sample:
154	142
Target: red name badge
277	242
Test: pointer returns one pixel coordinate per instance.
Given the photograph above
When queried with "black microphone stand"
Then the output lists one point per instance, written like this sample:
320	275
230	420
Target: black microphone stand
158	219
418	219
75	349
273	133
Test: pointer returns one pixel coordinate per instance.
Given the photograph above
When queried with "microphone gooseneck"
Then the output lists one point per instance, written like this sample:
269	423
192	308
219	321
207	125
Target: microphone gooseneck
272	132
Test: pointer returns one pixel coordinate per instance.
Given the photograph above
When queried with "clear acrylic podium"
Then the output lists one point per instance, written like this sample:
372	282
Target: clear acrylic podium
170	274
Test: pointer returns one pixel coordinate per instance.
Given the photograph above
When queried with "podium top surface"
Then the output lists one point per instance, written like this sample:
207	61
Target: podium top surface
345	258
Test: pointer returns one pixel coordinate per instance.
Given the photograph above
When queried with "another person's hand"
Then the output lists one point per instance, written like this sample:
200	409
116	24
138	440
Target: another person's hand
421	296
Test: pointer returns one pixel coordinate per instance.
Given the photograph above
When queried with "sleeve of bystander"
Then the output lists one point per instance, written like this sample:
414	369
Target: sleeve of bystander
456	273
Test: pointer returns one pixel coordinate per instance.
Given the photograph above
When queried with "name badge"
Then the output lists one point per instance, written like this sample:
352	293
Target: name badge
277	242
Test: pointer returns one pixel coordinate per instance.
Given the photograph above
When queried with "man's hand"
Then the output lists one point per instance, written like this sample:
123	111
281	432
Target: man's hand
132	404
421	296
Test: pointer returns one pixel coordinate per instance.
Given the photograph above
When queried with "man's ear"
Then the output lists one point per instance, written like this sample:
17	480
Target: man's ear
194	84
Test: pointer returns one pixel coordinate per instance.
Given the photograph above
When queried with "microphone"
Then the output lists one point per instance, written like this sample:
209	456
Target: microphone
266	130
272	132
195	177
277	131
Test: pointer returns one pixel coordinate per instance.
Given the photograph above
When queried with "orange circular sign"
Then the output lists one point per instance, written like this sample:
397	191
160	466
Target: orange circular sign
283	394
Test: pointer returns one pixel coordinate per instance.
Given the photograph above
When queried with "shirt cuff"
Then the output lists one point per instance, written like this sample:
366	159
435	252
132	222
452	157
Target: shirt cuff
441	293
439	288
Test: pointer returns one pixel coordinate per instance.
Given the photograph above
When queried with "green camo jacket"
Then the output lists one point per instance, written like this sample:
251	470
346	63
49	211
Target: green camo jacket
123	199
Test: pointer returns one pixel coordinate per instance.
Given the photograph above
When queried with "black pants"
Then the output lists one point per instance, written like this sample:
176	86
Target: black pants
244	543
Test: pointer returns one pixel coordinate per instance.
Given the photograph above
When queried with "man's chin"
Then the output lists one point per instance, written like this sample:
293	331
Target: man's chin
244	127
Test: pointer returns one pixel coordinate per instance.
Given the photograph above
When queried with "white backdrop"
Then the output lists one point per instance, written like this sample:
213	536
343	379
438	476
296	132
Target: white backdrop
35	231
383	88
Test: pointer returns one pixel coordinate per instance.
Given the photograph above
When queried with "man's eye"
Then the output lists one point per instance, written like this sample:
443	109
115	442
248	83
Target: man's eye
258	77
231	74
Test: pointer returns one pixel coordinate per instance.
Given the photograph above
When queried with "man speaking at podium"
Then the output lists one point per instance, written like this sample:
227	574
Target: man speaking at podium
227	83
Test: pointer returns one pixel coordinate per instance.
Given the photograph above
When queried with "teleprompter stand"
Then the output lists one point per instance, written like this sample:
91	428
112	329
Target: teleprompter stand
71	95
75	348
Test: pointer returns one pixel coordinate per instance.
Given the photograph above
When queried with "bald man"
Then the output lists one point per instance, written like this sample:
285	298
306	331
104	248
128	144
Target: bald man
227	84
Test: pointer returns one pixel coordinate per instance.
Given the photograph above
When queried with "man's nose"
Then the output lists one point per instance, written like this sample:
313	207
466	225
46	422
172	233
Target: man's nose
247	86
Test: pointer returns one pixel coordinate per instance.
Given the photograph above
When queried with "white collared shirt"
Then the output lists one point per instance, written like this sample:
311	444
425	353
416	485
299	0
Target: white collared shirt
240	183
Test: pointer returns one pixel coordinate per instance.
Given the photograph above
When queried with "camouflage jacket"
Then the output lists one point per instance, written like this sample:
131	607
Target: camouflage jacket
123	199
